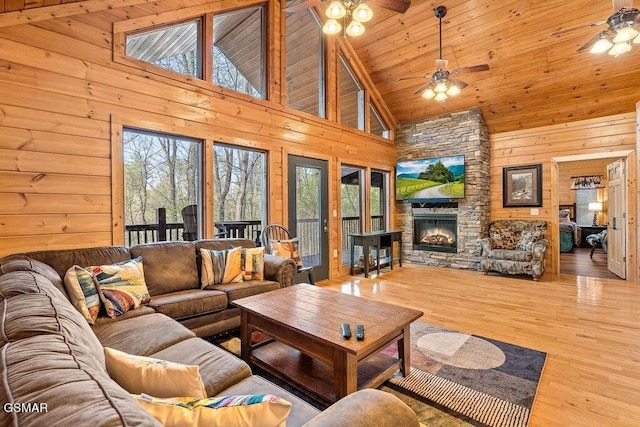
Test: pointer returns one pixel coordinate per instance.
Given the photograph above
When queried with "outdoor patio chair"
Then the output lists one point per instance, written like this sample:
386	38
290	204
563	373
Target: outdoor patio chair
277	233
190	221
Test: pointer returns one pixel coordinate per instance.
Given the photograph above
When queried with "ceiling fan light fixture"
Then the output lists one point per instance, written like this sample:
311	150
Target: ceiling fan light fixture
601	46
362	12
331	27
441	97
625	34
441	87
453	90
336	10
620	48
429	93
355	28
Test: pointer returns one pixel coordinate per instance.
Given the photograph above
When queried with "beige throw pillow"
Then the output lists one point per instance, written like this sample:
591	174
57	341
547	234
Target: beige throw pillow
220	266
160	378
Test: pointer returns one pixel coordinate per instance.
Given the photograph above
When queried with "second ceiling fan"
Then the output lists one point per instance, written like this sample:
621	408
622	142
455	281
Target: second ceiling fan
441	85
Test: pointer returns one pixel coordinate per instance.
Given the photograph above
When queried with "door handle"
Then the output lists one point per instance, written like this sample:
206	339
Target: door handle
326	229
614	223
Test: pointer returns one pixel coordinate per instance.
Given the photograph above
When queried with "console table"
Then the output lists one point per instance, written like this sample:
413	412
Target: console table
378	239
588	230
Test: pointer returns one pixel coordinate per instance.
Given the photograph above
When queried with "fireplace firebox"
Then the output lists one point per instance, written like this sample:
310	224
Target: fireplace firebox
437	233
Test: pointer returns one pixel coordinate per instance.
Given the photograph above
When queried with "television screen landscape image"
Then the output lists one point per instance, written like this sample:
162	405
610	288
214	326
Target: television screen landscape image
430	179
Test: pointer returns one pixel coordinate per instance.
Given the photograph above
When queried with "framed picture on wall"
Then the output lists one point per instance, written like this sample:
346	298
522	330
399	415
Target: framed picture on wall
522	186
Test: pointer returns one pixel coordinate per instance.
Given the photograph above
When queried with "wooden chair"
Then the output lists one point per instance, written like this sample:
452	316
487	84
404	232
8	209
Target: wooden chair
190	221
278	232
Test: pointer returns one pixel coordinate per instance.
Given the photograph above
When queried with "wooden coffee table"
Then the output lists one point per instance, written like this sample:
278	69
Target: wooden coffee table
308	349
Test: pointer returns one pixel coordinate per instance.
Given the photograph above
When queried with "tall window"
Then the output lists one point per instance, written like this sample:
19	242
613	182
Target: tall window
583	197
351	187
238	51
161	178
379	200
305	61
376	124
239	191
351	97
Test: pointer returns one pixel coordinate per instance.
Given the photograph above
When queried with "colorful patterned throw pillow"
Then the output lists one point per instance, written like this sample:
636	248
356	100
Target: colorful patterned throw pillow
121	286
83	292
253	263
263	410
220	266
160	378
286	249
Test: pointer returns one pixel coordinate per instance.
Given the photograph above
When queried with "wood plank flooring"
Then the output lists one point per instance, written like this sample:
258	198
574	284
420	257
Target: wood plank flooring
590	328
577	262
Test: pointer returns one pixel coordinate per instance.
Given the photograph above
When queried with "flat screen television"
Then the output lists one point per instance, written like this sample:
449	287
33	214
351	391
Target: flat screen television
431	179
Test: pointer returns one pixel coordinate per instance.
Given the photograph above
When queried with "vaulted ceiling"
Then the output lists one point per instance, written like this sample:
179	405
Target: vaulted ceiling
535	79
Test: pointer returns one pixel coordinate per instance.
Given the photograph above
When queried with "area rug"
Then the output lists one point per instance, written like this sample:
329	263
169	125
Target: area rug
458	379
476	380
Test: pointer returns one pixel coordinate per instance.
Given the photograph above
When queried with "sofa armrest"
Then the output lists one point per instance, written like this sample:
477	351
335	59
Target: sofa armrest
366	408
485	246
278	269
539	249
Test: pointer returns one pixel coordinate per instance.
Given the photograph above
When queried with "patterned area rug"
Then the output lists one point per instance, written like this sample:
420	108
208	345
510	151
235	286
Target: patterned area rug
458	379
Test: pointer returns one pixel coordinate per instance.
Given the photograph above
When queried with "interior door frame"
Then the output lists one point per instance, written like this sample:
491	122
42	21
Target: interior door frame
630	159
321	271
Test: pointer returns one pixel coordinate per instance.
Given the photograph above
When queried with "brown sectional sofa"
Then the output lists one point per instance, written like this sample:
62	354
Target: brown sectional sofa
51	357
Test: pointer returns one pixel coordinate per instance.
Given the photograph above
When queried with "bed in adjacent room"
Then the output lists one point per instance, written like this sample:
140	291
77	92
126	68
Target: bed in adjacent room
569	230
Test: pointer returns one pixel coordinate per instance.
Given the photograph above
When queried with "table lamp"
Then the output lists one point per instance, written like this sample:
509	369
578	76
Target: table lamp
595	207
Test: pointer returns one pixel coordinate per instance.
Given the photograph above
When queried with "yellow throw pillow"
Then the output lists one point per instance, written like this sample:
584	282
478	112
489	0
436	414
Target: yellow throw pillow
238	411
220	266
286	249
140	374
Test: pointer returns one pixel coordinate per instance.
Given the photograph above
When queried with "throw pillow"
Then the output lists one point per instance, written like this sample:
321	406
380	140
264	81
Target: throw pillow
220	266
286	249
140	374
253	263
239	411
564	216
121	286
502	238
527	239
83	292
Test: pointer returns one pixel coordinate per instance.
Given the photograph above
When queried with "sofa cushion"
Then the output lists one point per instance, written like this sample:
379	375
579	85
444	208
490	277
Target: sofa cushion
83	292
121	286
192	302
29	315
236	291
527	239
140	311
28	282
48	370
220	266
21	262
503	238
511	255
143	335
157	377
237	411
252	264
168	266
218	368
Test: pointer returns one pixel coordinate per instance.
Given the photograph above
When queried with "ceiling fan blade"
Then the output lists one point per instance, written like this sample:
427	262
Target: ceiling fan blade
472	69
588	45
578	27
422	89
399	79
302	6
400	6
461	85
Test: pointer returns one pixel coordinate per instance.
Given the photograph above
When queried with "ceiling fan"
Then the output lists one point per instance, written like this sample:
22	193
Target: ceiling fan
623	29
400	6
441	86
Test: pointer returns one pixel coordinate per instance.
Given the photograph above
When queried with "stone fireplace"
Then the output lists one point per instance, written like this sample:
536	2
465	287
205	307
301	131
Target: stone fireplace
437	233
447	135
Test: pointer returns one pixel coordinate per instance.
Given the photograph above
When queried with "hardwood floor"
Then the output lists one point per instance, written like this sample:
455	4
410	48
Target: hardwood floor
589	327
577	262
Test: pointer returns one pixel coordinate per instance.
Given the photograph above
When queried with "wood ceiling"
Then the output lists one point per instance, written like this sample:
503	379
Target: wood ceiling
535	79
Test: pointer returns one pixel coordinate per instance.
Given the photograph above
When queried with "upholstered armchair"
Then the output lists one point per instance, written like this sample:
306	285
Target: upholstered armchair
515	247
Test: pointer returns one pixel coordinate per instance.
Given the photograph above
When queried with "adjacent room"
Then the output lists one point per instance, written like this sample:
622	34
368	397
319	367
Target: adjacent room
319	213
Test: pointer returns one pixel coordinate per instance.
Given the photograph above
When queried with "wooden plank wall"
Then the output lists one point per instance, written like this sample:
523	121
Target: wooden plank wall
595	137
64	100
